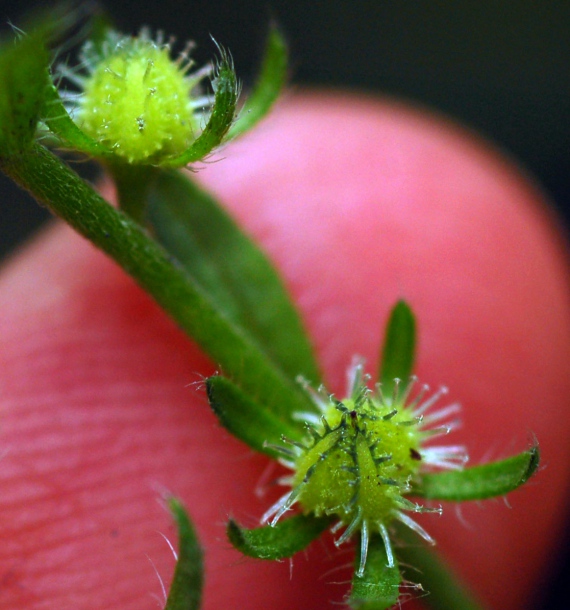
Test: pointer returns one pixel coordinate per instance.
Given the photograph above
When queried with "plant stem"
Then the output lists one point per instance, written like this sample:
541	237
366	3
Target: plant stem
132	182
53	183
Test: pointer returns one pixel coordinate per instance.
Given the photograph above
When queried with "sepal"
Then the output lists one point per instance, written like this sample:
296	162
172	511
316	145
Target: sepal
58	121
398	350
280	541
269	85
227	91
246	419
480	482
188	580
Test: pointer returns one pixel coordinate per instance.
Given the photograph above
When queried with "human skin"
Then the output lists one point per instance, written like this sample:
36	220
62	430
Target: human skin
359	203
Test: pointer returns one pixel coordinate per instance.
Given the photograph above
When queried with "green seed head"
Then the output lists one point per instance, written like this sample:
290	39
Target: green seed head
137	101
362	464
362	455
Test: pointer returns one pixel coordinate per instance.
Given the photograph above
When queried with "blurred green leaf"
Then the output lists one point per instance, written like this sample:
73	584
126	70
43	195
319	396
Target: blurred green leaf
480	482
24	80
286	538
101	25
270	83
186	588
246	419
379	587
441	587
228	266
398	352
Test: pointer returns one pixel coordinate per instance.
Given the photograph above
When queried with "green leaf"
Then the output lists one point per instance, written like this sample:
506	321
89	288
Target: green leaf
221	118
398	352
162	276
480	482
286	538
228	266
24	81
270	82
441	587
379	587
186	588
246	419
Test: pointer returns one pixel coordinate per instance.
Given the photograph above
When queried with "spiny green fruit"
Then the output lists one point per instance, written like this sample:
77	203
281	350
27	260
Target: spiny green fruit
361	457
137	101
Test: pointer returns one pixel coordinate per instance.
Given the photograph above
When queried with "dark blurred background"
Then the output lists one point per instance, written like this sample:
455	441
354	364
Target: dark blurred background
501	68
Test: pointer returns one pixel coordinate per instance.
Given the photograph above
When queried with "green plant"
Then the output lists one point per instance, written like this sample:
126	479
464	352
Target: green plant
357	460
362	461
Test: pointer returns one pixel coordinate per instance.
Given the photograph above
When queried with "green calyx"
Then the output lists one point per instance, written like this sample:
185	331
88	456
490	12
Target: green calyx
137	101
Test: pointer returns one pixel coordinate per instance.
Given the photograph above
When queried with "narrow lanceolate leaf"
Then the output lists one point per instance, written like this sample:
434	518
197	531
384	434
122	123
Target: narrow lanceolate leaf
378	588
398	352
186	588
59	188
23	84
221	118
270	82
480	482
286	538
439	587
246	419
227	265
